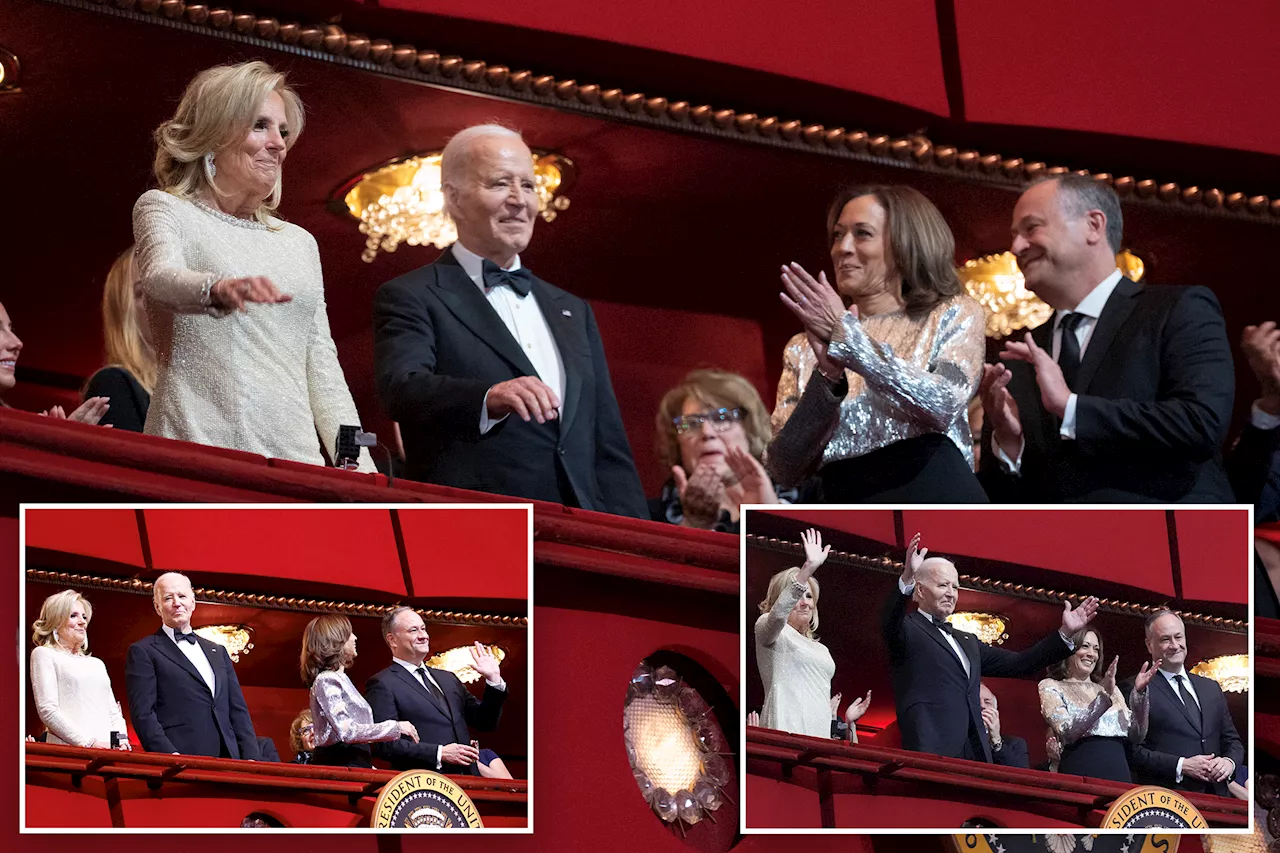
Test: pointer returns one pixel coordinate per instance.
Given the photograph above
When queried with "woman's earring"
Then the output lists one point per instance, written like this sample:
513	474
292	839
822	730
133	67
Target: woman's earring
210	168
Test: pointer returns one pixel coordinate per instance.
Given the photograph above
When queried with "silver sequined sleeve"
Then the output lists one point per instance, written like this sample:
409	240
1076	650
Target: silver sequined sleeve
933	395
341	714
770	624
804	417
167	281
1139	714
1069	721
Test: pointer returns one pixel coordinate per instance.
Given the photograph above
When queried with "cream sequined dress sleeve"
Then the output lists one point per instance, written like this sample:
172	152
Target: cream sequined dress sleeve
265	381
796	672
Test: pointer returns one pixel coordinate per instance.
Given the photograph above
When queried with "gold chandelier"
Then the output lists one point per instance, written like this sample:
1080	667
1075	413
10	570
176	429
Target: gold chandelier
236	639
458	661
997	283
1230	671
989	628
403	201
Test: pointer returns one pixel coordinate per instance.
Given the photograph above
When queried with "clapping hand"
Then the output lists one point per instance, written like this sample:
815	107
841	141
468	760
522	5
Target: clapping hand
1053	387
1075	619
915	559
1109	677
814	302
1261	348
1145	675
999	407
753	719
856	709
834	704
90	412
751	485
484	662
702	495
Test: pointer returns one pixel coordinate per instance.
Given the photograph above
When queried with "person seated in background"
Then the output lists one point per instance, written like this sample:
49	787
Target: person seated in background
712	430
1125	394
344	723
874	397
1006	750
302	738
497	378
1089	714
130	371
1253	465
847	729
90	411
72	689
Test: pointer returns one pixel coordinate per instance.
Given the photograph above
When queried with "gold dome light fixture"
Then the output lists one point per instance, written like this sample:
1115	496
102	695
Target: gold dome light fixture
458	661
403	201
989	627
236	639
997	283
1230	671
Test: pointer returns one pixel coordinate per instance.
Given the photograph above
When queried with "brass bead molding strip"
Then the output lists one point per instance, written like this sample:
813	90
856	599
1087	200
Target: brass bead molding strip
887	565
331	43
275	602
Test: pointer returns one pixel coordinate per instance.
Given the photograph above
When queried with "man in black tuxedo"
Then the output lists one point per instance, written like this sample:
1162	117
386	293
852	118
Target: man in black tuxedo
1126	394
936	670
498	379
434	700
1191	741
183	692
1006	750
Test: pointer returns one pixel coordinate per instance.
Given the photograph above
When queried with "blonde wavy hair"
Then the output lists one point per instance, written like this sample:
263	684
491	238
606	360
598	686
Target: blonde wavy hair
126	346
783	578
54	613
716	389
217	110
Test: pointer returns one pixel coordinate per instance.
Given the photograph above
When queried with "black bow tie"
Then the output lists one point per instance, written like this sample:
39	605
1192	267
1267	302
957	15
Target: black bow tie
942	625
520	280
189	637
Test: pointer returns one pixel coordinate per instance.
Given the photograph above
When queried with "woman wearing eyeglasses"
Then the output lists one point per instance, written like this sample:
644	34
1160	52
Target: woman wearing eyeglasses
875	391
712	429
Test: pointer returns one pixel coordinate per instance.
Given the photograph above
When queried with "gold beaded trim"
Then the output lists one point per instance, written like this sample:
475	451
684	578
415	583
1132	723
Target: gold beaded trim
274	602
887	565
332	43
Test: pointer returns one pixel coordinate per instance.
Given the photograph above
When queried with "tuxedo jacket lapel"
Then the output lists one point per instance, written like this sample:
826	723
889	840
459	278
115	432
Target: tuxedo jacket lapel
1118	308
215	663
170	649
558	312
931	631
464	299
422	690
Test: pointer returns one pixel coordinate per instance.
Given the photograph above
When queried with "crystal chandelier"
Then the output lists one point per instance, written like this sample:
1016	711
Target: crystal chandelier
1230	671
458	661
674	745
236	639
997	283
403	201
989	628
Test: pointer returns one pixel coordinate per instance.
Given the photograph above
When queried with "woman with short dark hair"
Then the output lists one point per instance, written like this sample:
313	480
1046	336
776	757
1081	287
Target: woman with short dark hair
874	392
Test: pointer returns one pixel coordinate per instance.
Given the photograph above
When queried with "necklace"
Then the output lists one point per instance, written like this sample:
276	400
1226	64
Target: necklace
227	217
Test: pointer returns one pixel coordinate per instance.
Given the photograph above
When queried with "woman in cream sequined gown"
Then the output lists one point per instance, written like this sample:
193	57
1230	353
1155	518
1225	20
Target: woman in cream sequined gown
797	669
235	296
1089	715
875	398
72	689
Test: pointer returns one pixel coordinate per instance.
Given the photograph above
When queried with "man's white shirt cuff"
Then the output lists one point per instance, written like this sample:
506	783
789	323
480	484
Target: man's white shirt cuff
1068	429
1263	420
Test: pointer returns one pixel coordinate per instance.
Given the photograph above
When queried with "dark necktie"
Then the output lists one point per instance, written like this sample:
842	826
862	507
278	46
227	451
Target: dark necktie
430	685
495	276
1184	693
189	637
1069	349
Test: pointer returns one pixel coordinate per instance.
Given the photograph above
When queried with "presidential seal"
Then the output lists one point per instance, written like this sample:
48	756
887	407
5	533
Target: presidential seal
419	799
1152	807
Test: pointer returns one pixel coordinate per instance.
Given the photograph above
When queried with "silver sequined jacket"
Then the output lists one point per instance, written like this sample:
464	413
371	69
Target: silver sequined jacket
341	715
907	377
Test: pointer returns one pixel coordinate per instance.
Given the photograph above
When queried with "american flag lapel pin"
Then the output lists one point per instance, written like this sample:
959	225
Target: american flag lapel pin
566	312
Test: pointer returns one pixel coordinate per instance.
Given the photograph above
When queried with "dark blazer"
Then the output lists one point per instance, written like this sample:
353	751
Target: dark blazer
1173	733
438	348
129	401
1012	753
1253	466
938	706
171	707
1155	390
397	694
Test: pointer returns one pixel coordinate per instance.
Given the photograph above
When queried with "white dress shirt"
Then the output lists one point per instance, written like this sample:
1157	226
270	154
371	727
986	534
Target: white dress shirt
500	684
1090	309
195	654
524	319
907	589
1172	677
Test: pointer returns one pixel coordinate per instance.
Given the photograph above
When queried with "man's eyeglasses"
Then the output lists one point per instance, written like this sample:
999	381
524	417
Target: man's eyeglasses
720	420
